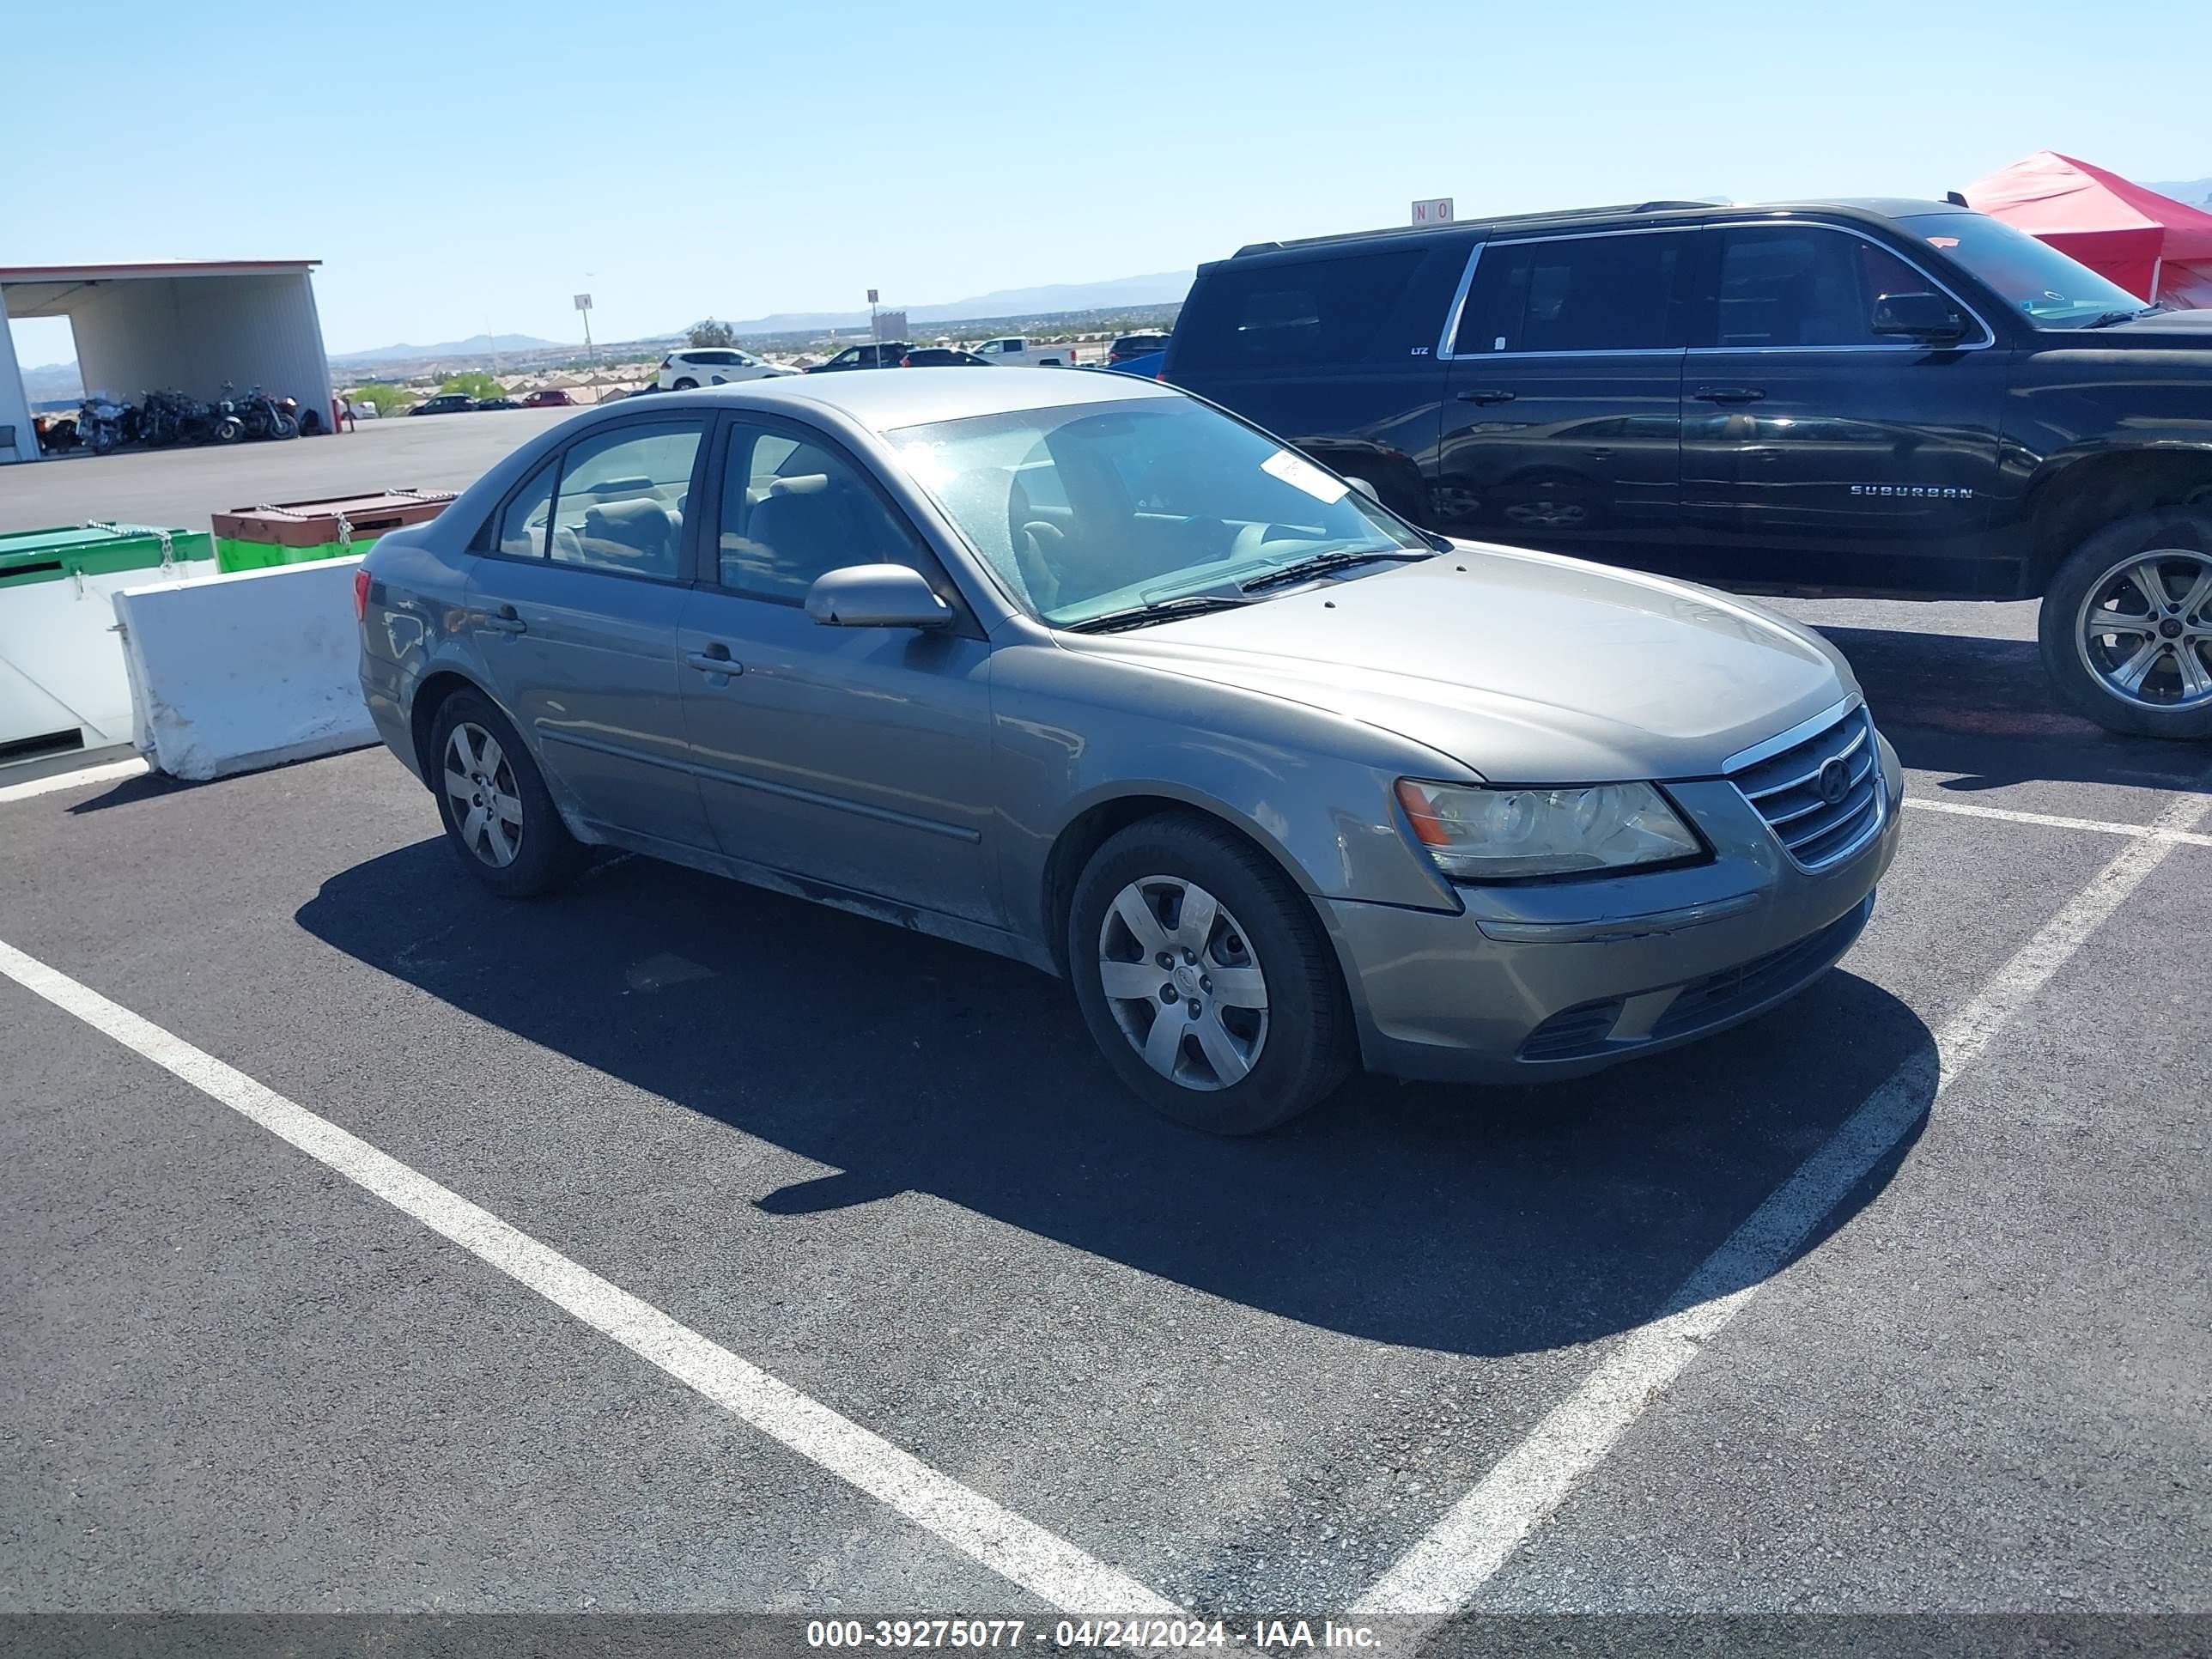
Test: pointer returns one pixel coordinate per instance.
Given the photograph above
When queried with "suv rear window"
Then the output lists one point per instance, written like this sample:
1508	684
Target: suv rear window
1307	314
1574	294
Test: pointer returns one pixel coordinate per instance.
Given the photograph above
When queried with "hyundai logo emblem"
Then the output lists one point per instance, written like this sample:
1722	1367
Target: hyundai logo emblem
1835	780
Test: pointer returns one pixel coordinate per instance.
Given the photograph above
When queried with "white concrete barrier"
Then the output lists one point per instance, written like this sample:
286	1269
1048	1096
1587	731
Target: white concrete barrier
244	671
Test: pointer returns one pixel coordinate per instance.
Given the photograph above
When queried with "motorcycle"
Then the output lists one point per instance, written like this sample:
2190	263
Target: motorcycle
171	417
264	417
99	424
224	426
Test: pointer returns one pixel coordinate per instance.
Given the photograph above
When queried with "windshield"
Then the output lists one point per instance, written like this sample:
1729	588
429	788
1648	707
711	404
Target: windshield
1091	508
2045	285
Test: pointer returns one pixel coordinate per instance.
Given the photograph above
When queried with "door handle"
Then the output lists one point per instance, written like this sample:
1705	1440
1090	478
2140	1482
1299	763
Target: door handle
715	660
507	620
1728	394
1484	394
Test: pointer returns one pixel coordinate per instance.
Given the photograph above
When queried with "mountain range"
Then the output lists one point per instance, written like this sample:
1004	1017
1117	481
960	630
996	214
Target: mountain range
2197	192
1162	288
477	345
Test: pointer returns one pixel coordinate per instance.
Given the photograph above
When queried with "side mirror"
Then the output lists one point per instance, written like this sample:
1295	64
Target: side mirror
1917	317
1364	486
876	596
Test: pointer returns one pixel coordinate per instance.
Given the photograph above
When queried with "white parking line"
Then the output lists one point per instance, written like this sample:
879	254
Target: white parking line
110	773
2141	831
1448	1563
1039	1561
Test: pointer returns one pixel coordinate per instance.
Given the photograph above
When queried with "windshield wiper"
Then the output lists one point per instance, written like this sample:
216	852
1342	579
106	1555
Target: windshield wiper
1320	564
2109	318
1140	616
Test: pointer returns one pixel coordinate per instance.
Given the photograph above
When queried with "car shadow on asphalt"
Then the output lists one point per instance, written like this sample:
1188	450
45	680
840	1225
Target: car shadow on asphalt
1477	1221
1982	709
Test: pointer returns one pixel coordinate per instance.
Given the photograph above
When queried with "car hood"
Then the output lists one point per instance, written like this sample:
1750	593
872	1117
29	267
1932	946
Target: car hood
1525	667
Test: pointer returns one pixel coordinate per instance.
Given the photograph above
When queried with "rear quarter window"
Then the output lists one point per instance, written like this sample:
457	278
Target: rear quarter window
1301	314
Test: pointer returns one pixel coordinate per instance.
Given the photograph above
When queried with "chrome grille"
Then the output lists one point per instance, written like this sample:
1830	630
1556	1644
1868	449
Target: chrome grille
1785	787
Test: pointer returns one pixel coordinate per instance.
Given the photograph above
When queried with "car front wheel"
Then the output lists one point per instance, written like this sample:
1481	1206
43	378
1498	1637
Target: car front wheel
2126	629
493	799
1204	979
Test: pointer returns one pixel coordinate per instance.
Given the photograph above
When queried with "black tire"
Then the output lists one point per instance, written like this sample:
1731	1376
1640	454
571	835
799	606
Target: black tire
2091	567
1308	1047
546	855
685	385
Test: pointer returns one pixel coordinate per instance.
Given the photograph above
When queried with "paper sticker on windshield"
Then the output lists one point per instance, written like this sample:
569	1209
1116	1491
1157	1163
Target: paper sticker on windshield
1301	474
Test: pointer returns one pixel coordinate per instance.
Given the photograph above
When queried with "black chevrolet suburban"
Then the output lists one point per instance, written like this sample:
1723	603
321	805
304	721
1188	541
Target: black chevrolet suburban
1883	398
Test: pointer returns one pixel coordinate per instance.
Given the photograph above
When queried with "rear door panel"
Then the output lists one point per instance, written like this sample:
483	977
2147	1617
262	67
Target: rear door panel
1562	425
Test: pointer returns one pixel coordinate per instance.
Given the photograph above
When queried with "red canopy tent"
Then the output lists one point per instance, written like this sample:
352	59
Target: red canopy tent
2148	244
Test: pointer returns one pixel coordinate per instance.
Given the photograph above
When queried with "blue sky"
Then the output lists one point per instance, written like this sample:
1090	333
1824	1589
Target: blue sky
463	165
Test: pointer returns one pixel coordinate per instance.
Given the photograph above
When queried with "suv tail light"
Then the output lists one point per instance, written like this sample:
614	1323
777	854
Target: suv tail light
360	595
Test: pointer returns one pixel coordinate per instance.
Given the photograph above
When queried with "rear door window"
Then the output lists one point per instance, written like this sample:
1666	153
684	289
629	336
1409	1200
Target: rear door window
622	497
1307	313
1618	293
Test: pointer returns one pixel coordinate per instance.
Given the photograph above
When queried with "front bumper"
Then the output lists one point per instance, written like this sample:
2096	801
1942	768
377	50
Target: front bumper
1553	979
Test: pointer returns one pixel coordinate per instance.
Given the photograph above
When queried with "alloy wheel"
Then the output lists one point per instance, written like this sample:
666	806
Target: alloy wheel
480	787
2144	629
1178	971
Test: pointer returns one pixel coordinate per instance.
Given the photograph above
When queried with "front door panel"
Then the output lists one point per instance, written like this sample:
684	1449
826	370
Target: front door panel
1815	454
854	755
857	757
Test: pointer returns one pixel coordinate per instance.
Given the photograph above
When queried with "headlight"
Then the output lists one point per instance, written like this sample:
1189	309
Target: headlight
1493	834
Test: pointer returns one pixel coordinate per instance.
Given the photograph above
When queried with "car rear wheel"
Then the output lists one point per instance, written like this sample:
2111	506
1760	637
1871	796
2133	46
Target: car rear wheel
1204	979
493	800
2126	629
687	384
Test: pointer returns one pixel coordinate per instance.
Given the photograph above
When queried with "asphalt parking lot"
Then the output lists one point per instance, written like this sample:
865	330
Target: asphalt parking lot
1893	1300
179	488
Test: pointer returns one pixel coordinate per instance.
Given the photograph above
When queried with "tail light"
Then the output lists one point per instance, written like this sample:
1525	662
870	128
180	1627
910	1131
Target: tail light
361	594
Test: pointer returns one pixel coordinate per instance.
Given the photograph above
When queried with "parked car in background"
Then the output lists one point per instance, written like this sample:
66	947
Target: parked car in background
1147	365
1077	669
871	355
491	404
548	397
1134	345
697	365
1896	398
942	357
1012	351
445	402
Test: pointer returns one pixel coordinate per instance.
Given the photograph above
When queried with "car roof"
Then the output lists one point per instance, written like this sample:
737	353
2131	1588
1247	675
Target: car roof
888	399
1660	212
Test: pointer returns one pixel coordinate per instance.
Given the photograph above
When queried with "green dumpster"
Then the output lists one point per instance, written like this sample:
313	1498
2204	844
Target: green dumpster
335	528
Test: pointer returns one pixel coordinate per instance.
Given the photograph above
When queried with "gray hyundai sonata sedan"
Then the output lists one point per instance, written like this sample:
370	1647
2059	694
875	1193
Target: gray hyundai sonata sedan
1081	670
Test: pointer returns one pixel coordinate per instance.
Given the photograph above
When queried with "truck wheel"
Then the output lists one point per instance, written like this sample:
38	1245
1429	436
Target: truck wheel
2126	629
1204	979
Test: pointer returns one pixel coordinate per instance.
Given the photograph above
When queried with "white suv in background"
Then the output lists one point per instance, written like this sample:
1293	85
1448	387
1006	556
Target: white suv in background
1012	351
712	365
